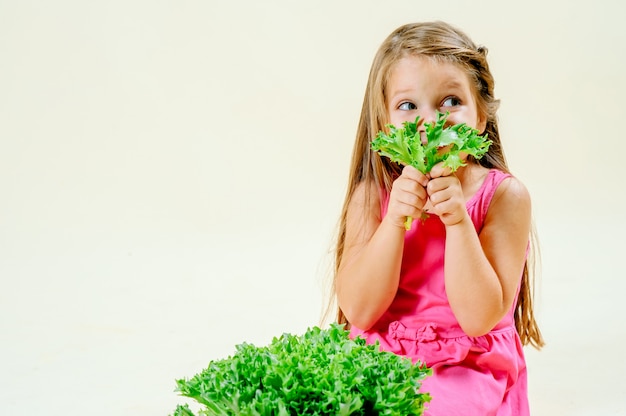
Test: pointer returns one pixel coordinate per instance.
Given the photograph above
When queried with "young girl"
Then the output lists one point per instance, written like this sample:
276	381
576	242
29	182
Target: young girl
452	292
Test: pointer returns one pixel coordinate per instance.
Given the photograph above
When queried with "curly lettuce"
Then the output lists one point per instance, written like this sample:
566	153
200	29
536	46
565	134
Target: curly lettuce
444	144
323	372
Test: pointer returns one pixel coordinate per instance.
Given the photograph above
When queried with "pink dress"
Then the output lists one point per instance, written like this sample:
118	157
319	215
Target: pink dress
477	376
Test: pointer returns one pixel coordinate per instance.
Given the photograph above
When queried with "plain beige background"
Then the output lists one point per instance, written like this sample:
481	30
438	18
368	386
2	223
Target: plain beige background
171	175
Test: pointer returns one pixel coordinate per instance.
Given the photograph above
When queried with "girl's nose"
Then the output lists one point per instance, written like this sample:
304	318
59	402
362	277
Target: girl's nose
426	116
422	133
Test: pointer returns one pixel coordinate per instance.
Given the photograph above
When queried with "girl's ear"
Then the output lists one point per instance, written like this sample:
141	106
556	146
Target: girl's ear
482	122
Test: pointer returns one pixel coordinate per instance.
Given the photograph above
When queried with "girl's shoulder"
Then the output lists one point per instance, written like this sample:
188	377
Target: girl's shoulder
507	194
366	200
493	191
509	186
366	193
494	182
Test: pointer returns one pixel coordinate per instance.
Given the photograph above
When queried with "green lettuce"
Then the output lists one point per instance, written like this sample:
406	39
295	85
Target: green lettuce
444	144
323	372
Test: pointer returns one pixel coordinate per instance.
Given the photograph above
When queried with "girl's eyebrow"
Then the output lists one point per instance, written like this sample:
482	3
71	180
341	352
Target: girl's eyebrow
402	91
395	95
453	83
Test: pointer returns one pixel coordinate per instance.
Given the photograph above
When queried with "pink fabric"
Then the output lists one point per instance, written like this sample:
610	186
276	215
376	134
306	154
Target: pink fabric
480	376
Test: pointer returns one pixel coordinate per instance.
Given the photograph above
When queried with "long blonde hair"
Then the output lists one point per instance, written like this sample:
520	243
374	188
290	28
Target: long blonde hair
443	42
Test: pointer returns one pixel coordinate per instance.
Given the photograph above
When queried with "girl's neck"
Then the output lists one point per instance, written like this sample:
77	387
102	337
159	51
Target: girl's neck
471	177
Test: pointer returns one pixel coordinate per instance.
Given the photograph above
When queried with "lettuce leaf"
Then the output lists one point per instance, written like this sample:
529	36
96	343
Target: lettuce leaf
404	146
323	372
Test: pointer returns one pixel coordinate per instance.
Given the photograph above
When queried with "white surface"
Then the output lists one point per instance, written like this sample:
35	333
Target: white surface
171	174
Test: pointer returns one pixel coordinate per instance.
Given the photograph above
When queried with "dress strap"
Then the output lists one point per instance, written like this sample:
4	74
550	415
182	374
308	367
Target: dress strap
478	205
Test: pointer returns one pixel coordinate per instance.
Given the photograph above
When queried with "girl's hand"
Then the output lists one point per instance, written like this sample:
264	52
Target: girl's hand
446	196
408	196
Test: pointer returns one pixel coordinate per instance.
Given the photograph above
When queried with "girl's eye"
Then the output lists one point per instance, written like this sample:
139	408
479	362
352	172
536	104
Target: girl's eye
407	106
451	102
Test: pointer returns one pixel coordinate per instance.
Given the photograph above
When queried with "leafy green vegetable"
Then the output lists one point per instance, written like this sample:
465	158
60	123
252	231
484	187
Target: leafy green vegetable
403	145
322	372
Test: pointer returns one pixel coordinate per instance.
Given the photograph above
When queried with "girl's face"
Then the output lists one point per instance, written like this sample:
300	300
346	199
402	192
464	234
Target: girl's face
422	86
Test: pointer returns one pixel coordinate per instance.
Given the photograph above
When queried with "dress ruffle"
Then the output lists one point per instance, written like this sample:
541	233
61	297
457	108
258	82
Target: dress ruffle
486	372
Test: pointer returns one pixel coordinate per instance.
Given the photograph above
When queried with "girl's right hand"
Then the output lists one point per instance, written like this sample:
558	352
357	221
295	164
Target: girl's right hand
408	196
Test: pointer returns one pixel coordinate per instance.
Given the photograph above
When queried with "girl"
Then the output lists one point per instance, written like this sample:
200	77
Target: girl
452	292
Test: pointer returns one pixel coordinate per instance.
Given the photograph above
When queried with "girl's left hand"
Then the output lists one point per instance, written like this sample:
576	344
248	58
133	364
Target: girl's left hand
446	196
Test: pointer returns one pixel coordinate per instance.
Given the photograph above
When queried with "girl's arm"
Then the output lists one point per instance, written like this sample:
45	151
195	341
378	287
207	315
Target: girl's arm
482	272
369	272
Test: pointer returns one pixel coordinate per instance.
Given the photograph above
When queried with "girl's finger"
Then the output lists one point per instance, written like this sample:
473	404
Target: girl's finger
410	172
438	184
440	170
412	187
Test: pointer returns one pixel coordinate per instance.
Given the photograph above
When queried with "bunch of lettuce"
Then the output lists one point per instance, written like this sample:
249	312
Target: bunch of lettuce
322	372
404	146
